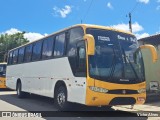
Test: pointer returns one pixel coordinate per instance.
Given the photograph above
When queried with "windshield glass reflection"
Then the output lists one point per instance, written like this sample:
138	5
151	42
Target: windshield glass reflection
114	57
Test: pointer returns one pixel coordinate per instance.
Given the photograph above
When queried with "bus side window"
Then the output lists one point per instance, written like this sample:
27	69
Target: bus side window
2	70
81	58
59	45
15	56
21	55
36	55
76	34
28	53
10	58
47	48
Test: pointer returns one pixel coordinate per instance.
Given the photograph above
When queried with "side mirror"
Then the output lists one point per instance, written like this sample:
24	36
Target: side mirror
91	44
153	51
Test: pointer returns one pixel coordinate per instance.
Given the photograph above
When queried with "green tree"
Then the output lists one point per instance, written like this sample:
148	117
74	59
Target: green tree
8	42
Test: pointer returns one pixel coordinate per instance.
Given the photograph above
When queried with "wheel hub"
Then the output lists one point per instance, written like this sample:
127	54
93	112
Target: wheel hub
61	99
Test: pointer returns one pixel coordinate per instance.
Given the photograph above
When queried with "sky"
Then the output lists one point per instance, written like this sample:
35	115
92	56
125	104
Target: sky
39	18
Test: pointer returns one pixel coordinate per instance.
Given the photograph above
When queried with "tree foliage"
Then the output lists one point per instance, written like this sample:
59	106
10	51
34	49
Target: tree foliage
8	42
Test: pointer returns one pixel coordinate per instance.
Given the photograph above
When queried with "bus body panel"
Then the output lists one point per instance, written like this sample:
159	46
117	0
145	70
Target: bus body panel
3	75
2	82
98	99
40	78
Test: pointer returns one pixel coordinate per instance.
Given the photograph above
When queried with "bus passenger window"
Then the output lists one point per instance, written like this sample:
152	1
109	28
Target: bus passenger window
21	55
15	55
36	55
10	58
59	45
28	53
47	48
76	34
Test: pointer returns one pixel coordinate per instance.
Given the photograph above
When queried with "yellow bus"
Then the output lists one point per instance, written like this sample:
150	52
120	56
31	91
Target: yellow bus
86	64
3	75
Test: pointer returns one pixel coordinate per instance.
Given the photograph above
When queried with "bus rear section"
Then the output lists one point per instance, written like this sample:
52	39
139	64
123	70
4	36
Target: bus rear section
3	75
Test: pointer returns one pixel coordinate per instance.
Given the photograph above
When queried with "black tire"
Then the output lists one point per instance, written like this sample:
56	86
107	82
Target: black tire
106	108
60	98
20	94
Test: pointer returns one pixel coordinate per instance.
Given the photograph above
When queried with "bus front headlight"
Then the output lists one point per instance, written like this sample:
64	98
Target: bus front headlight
98	89
143	90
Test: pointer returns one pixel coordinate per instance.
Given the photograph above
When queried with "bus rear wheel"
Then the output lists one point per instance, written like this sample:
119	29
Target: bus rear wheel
20	94
60	99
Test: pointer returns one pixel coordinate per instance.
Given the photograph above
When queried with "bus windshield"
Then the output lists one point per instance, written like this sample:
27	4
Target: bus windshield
2	70
114	60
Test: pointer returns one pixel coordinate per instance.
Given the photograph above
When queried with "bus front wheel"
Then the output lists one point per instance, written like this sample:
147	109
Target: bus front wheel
20	94
60	99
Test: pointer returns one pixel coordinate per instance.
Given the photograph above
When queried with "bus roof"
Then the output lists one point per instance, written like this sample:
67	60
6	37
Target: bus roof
105	28
83	26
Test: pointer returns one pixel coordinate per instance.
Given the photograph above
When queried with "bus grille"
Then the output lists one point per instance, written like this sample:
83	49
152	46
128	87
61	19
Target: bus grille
122	91
123	101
